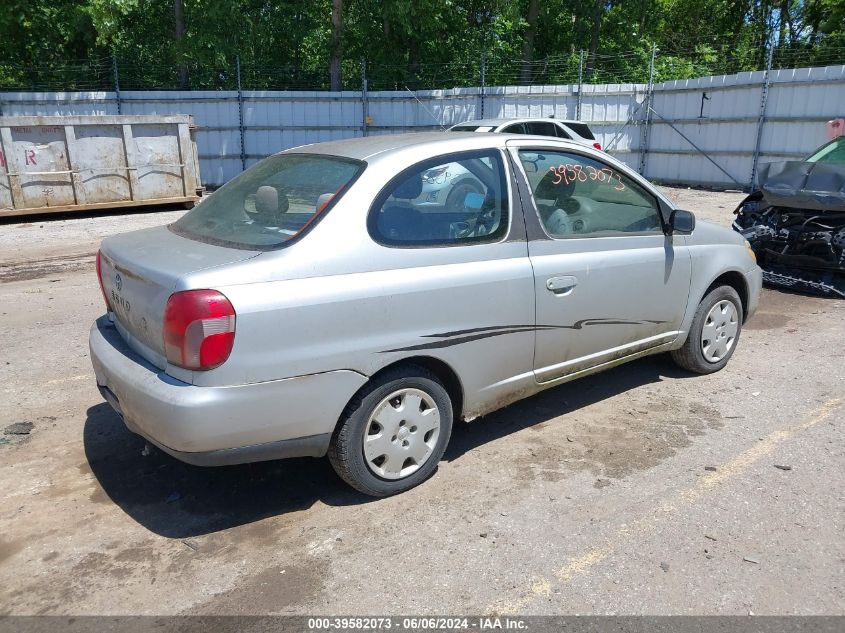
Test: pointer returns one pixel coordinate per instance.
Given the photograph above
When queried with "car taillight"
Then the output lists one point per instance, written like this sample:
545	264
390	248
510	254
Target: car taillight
100	279
199	329
597	145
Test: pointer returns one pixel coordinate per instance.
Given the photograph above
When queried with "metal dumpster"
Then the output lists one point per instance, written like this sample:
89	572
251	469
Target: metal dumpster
68	163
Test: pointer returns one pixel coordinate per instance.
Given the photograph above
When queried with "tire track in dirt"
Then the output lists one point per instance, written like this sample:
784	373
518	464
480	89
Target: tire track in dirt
38	268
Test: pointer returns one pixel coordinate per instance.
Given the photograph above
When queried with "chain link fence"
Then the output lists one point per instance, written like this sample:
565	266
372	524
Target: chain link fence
618	67
665	113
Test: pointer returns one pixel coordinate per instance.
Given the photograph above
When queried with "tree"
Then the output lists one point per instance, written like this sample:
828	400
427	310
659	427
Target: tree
337	45
528	39
310	44
178	38
598	14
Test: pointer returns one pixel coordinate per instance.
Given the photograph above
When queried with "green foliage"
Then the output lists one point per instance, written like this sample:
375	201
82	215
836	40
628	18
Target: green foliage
286	44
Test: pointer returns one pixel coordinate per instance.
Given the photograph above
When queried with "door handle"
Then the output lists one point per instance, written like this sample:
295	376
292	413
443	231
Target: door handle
561	285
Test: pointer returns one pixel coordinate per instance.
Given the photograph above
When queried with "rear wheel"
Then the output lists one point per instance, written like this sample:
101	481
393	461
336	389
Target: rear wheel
392	435
714	332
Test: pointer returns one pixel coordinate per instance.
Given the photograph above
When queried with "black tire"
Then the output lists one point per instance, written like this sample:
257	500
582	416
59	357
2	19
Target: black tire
346	450
691	355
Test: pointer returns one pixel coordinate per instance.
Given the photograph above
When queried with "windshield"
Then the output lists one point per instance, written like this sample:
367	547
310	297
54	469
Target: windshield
833	152
271	202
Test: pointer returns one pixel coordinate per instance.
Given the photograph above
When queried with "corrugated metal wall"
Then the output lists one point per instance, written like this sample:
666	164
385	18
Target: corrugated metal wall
799	104
719	114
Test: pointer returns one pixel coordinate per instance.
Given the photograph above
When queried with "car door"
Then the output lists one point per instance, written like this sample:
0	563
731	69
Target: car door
608	281
454	283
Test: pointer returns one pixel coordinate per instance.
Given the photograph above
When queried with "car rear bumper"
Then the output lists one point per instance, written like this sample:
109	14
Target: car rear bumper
754	283
210	426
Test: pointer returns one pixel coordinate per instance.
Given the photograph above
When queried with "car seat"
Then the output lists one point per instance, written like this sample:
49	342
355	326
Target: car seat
402	222
555	215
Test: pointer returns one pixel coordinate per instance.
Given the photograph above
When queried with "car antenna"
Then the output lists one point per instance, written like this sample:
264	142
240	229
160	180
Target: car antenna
431	114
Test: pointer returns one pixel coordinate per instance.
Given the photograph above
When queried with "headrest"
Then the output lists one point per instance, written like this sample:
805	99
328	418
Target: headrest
552	187
410	189
268	201
323	201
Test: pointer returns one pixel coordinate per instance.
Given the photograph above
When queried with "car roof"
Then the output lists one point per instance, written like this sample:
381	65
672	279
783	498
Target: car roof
500	122
363	147
385	147
366	147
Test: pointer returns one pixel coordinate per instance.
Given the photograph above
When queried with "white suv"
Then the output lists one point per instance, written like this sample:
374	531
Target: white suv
559	128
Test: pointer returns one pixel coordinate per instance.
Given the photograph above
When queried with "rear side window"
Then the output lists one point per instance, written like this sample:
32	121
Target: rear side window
543	128
561	132
516	128
446	201
581	129
270	203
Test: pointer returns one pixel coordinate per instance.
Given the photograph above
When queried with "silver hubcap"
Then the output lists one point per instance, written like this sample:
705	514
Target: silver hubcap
401	433
719	332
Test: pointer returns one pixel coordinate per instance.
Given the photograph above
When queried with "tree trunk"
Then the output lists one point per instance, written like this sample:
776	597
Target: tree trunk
297	52
643	16
528	40
414	61
337	45
598	13
178	38
783	19
763	34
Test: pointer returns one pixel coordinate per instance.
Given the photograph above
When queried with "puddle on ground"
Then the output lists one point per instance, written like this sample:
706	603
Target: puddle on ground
766	321
274	590
10	548
614	445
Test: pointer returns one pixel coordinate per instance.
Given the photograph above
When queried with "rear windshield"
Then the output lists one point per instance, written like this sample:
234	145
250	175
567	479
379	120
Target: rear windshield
271	202
581	129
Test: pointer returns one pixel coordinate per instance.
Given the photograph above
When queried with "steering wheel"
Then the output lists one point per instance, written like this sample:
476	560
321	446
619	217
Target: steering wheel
468	229
486	220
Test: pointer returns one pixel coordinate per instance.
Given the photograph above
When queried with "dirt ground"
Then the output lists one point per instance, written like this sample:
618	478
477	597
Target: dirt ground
638	491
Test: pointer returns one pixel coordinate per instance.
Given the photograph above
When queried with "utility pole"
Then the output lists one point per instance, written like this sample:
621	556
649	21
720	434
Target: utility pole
116	83
764	97
483	80
240	111
364	105
648	102
580	83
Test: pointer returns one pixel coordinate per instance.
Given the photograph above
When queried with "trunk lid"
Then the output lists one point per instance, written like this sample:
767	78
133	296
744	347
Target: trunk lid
139	273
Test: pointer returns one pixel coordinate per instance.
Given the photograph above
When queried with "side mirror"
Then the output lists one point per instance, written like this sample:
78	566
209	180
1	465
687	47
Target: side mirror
681	222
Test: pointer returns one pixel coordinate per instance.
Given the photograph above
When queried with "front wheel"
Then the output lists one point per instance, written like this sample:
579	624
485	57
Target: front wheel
392	435
714	332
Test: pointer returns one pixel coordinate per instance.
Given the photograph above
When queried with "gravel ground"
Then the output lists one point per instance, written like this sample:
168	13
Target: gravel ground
641	490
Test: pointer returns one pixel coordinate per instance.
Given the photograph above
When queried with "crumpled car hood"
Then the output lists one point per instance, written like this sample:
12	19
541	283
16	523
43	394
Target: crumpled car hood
803	185
795	223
